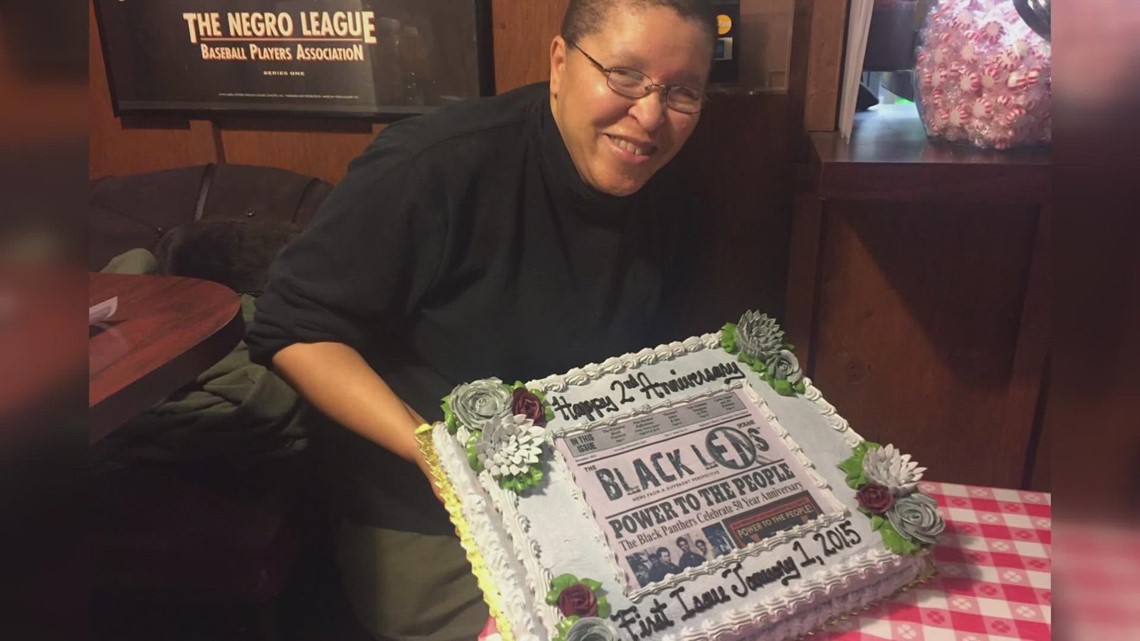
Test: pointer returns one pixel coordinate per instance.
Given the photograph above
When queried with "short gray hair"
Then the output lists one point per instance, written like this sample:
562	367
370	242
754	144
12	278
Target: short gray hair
585	17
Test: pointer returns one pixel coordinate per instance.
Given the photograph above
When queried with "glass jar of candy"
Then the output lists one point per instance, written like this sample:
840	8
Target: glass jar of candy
982	73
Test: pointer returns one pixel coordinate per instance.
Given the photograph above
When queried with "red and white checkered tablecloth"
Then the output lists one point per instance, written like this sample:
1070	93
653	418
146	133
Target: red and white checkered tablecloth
994	575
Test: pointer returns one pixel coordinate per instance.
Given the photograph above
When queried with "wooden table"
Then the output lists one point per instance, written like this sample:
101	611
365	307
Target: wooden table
167	330
917	294
890	159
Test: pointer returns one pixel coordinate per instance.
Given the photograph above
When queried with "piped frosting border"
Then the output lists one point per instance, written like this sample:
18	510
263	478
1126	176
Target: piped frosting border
454	506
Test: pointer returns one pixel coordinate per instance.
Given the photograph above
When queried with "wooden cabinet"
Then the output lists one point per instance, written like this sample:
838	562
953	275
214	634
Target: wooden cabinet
917	294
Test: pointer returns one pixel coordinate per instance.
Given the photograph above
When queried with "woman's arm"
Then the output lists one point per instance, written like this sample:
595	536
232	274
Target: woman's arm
337	380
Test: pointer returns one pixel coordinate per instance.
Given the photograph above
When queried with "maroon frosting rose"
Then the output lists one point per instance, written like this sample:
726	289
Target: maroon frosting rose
876	499
526	403
578	599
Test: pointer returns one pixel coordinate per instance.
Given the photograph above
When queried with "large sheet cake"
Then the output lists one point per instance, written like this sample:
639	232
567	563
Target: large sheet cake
702	489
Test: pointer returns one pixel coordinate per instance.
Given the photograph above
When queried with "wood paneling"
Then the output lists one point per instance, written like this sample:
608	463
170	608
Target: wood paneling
803	275
741	155
116	150
825	47
1015	437
324	154
917	323
1041	472
522	34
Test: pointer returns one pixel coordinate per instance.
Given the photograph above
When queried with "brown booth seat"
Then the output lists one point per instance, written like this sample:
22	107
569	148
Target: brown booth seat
134	211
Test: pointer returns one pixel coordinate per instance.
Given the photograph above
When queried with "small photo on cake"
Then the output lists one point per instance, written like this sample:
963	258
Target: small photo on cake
719	543
653	564
693	552
760	523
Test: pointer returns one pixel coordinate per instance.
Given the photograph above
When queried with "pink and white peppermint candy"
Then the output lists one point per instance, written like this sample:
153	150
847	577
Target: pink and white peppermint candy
940	76
1008	60
959	116
969	51
983	75
1022	79
991	32
993	74
1011	117
970	82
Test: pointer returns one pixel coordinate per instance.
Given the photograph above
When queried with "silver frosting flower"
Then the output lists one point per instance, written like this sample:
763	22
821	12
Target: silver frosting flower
916	517
477	402
759	335
592	629
509	445
784	365
891	468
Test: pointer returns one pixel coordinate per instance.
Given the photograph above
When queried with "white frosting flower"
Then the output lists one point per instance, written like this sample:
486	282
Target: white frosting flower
759	335
891	468
509	445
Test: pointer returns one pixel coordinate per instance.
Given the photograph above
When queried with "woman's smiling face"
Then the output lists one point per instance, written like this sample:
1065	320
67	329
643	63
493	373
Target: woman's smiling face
618	143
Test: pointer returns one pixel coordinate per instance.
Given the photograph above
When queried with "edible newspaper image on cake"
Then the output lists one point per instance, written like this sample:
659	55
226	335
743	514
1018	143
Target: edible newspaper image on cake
702	489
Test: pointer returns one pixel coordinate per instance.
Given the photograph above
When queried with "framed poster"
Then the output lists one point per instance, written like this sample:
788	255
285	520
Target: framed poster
379	59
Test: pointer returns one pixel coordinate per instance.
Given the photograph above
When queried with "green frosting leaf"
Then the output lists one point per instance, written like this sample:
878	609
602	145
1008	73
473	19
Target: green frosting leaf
759	366
448	415
877	522
783	387
856	478
799	387
472	452
564	626
563	581
853	466
728	338
864	447
603	607
896	542
592	584
520	483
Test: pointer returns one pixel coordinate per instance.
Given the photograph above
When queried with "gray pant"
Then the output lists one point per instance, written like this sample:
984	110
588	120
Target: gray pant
409	587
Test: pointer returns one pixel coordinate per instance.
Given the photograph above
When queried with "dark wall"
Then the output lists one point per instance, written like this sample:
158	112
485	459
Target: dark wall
743	152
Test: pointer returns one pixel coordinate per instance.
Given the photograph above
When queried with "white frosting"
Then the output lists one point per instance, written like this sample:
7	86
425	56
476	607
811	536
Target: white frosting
549	531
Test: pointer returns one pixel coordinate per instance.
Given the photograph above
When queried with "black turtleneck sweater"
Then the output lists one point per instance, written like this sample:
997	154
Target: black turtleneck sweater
463	245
